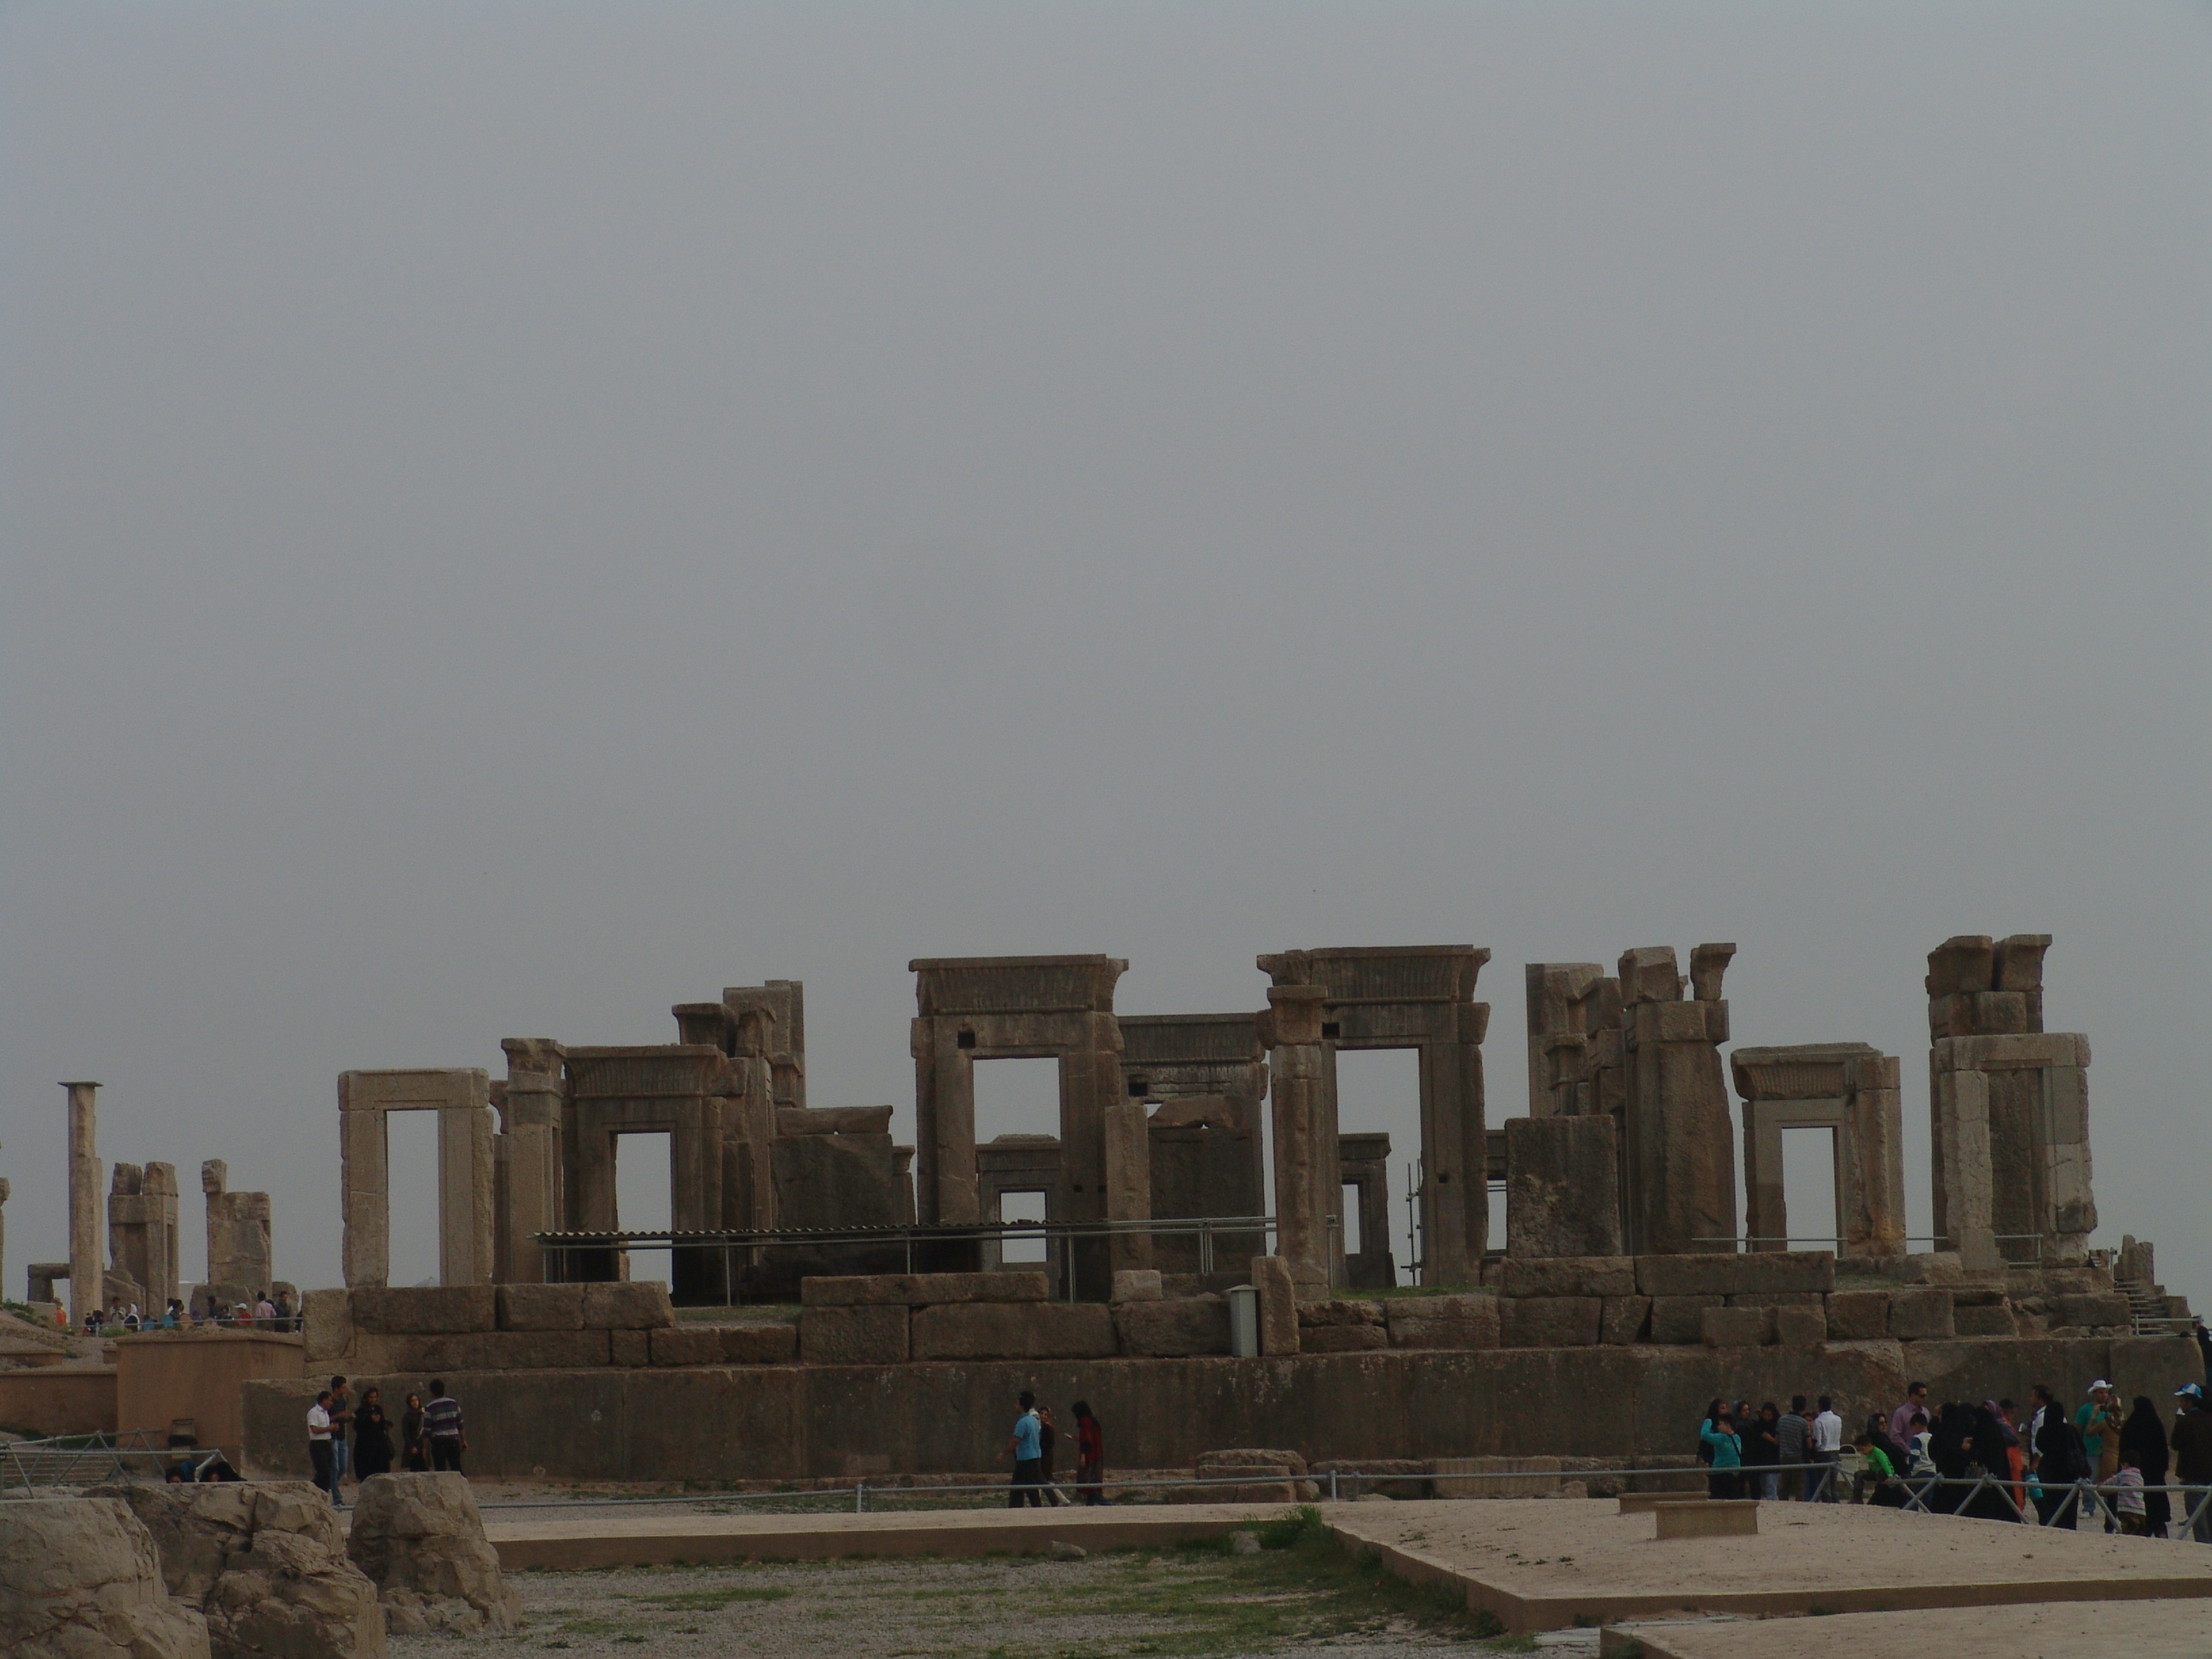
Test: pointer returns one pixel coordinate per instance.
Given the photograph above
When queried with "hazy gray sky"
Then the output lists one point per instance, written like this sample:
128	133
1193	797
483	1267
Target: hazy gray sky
519	515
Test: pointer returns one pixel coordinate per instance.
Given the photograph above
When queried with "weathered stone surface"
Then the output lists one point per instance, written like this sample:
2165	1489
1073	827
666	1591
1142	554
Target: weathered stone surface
1550	1321
1276	1477
922	1290
1857	1315
1137	1285
1004	1330
1186	1324
1338	1310
875	1335
1466	1320
265	1565
1988	1319
1776	1299
499	1351
1921	1315
1800	1325
725	1344
640	1305
80	1579
629	1348
541	1307
1681	1320
1624	1319
1562	1188
1569	1275
426	1310
1737	1328
327	1324
1728	1275
1341	1339
2109	1308
420	1539
1279	1305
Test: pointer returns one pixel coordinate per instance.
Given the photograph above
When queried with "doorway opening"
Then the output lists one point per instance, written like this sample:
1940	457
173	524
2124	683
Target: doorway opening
1808	1185
1028	1251
1353	1244
411	1167
1017	1096
643	1201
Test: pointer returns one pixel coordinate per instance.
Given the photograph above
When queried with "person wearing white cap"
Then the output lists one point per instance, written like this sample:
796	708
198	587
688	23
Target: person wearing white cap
2192	1457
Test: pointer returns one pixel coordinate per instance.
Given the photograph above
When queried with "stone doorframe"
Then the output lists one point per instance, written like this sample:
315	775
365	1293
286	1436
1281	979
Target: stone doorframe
1021	1163
675	1089
1850	1089
1060	1008
1364	1161
1419	997
462	1100
1204	1070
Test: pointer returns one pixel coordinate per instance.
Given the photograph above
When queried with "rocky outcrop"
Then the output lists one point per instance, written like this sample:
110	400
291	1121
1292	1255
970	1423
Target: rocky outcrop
80	1579
420	1539
265	1564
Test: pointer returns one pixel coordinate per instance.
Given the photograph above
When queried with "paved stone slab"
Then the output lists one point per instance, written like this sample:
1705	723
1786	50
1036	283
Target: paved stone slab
1539	1565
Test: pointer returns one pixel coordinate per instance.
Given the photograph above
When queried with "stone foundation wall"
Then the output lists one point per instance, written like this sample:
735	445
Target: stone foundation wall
811	1422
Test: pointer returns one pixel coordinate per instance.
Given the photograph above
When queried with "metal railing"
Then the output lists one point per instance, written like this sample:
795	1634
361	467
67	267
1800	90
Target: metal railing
727	1243
82	1460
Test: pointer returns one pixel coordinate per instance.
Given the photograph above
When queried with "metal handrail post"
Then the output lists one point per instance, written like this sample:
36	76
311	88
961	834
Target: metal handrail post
861	1498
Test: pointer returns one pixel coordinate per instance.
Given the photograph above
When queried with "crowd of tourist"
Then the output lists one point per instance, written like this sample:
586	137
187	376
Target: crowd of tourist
262	1313
2099	1465
345	1434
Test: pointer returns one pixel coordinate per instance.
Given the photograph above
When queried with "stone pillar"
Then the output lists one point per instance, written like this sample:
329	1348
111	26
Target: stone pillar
749	1127
1558	1045
1127	1135
126	1230
1562	1177
533	1111
945	1112
1679	1140
1307	1184
5	1188
1456	1198
87	1271
239	1255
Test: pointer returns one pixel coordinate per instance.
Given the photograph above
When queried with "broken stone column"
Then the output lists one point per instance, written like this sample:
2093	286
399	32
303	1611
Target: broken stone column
141	1231
1307	1184
1678	1137
86	1270
2010	1106
1562	1186
531	1111
240	1257
1849	1090
1557	1042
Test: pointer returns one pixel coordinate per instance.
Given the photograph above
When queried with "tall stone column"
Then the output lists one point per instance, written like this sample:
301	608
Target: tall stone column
945	1113
1128	1149
87	1271
1308	1188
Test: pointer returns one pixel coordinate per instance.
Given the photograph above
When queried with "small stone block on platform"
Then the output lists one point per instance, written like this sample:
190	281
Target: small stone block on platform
1726	1518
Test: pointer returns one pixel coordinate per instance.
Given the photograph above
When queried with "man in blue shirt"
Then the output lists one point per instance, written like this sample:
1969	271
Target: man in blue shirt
1027	1450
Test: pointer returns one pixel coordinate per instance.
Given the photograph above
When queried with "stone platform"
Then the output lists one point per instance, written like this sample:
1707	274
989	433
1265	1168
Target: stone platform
2041	1629
1540	1564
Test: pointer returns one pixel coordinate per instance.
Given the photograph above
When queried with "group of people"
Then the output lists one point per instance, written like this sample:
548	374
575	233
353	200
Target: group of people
1034	1445
262	1314
343	1434
2097	1462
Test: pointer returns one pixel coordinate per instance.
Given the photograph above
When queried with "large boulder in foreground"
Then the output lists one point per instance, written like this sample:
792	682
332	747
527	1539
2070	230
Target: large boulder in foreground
79	1579
265	1564
421	1537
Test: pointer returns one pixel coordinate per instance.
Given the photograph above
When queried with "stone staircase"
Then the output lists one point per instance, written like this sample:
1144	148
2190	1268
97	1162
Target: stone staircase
2151	1309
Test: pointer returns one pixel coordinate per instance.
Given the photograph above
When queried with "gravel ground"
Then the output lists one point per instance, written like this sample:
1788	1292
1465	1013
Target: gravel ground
1193	1602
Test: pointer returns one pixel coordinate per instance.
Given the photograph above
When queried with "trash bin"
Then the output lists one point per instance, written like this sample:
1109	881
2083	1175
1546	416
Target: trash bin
1244	1323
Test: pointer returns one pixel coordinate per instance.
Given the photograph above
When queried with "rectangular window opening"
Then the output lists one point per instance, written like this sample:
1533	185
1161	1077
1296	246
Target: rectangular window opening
1352	1243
